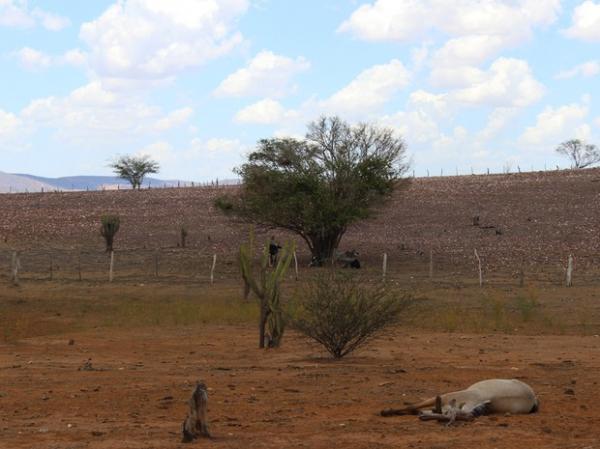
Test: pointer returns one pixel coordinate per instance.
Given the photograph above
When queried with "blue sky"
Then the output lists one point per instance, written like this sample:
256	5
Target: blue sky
468	84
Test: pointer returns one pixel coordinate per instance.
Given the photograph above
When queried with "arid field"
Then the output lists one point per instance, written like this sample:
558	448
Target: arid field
91	364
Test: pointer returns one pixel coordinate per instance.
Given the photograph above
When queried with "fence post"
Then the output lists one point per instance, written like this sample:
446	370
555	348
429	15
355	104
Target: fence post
296	265
384	265
570	271
111	266
212	269
480	272
430	264
156	263
16	263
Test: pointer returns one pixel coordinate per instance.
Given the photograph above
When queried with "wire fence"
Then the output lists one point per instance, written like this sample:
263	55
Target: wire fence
183	265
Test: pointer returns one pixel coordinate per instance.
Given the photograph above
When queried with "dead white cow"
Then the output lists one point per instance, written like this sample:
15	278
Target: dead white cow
481	398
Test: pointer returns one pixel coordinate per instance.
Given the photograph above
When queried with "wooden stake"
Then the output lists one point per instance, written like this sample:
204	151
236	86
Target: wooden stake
296	265
480	272
384	268
111	266
79	265
430	264
16	264
212	269
195	424
570	271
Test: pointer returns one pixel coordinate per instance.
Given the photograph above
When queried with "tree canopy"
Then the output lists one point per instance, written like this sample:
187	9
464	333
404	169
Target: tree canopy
134	169
580	154
318	186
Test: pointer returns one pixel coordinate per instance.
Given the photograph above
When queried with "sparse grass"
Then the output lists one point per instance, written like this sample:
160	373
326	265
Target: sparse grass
46	309
49	308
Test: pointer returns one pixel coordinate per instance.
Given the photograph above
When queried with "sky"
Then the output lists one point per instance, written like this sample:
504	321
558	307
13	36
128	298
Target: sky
469	85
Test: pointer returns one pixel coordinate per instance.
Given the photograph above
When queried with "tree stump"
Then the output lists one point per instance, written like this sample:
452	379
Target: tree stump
195	424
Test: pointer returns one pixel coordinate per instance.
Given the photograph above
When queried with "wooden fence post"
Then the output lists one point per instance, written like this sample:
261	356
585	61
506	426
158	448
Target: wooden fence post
480	272
384	265
296	265
212	269
570	271
156	255
16	264
111	266
430	264
79	265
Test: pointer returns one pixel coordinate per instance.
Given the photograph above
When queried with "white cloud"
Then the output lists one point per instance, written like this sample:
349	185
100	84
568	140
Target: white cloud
263	112
497	121
9	123
587	70
468	50
585	22
507	83
476	31
371	89
407	20
174	119
420	121
267	75
214	147
159	151
157	39
365	94
32	59
16	13
51	21
556	124
92	115
75	57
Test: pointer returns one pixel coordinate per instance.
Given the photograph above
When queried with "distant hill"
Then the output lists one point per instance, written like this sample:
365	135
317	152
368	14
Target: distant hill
21	182
99	182
17	183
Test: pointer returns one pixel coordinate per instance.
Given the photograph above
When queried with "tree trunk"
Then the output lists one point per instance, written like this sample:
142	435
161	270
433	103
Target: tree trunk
264	315
324	244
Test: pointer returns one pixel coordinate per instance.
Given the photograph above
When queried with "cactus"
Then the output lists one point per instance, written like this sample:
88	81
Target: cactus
183	235
266	286
109	228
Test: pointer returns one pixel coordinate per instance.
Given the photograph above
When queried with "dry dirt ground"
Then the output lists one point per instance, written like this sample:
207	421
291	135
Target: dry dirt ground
291	397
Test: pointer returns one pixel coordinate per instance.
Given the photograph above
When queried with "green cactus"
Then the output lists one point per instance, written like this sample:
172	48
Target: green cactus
266	286
108	230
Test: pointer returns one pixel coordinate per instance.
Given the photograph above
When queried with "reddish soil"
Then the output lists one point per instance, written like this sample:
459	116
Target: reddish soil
290	397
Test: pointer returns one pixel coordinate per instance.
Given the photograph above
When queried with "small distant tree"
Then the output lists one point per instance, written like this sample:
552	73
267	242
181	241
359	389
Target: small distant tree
108	230
319	186
579	153
134	169
342	314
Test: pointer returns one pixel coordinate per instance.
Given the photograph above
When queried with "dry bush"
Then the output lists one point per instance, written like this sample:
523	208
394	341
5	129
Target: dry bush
342	313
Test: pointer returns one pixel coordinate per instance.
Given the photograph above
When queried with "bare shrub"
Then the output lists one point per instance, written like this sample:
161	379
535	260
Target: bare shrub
342	313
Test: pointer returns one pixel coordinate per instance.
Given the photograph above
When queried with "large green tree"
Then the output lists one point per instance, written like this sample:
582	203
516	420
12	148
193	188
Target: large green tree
320	185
